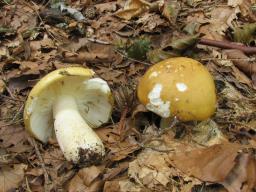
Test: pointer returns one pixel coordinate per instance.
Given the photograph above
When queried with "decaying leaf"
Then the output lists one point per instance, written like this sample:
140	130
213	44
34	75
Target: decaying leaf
138	49
87	179
219	164
170	10
2	86
182	44
243	175
241	61
211	164
219	23
245	34
150	169
10	177
246	7
133	8
207	133
158	55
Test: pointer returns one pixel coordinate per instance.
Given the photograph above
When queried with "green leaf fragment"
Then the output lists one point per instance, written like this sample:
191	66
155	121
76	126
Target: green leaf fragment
245	34
138	49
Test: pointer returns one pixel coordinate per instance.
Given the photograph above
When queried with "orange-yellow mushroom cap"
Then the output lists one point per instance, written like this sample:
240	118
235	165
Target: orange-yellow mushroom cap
180	87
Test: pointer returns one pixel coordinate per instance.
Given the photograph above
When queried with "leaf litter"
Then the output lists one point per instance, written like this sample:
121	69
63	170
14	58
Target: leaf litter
119	40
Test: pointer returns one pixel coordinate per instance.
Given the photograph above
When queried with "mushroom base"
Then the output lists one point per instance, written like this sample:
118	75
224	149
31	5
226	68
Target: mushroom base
88	157
78	142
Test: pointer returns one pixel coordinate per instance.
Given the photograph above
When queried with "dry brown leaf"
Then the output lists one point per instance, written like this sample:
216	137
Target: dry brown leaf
111	186
211	164
241	61
2	86
245	7
170	10
133	8
89	174
208	133
112	173
219	23
86	180
243	176
10	177
151	168
109	6
75	46
11	135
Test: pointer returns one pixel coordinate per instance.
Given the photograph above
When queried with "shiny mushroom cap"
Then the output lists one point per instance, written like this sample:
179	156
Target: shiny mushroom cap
180	87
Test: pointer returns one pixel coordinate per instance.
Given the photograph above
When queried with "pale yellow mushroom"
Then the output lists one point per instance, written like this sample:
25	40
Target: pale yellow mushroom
70	102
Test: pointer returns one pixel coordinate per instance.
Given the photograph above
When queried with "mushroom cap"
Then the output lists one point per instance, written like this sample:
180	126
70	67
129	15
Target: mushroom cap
180	87
92	95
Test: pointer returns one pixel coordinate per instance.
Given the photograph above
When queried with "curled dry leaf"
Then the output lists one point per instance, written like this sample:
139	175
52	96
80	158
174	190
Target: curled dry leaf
241	61
133	8
182	44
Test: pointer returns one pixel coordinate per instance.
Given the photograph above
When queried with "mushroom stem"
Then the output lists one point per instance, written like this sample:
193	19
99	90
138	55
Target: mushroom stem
77	140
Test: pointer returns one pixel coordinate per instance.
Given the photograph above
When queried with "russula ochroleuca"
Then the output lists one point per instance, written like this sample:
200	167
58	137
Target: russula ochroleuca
180	87
70	102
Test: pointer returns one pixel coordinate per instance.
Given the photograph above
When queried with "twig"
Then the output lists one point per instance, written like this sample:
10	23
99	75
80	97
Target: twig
47	181
227	45
98	41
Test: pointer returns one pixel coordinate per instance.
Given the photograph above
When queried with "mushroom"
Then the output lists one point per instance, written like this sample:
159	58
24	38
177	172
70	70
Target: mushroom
178	87
70	102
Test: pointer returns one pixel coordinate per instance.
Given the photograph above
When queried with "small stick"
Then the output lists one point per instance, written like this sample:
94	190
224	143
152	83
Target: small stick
46	176
227	45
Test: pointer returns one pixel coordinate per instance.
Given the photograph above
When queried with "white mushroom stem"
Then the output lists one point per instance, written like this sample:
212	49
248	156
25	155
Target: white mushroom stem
75	137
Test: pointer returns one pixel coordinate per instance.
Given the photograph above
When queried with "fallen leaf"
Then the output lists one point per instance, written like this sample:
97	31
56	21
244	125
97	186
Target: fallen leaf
151	169
243	176
111	186
241	61
211	164
2	86
113	172
89	174
219	23
207	133
245	7
87	179
245	33
182	44
133	8
10	177
170	10
138	49
157	55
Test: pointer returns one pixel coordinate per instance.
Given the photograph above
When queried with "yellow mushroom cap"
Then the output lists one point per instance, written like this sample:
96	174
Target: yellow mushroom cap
76	81
180	87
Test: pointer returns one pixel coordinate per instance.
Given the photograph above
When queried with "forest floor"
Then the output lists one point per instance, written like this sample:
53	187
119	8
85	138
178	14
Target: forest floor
120	40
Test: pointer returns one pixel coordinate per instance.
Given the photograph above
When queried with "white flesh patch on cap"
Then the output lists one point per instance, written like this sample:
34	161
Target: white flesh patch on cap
156	104
153	74
182	87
